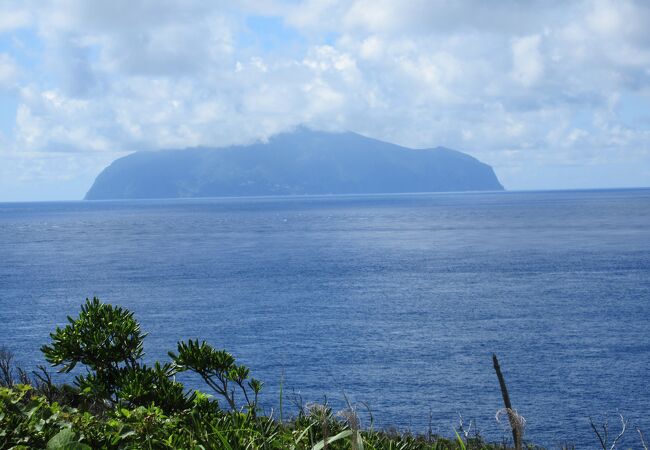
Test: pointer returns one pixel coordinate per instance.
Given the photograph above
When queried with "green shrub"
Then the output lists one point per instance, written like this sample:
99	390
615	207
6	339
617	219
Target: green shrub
109	342
106	339
219	371
27	420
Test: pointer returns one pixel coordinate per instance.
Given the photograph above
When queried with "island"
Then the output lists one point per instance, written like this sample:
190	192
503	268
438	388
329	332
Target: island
302	162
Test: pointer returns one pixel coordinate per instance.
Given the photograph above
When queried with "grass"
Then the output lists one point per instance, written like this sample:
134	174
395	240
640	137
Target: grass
29	420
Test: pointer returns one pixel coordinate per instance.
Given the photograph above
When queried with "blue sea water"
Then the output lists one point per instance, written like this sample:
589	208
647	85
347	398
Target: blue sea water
397	301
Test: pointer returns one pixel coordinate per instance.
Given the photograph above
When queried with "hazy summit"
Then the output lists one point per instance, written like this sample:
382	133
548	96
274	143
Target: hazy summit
298	163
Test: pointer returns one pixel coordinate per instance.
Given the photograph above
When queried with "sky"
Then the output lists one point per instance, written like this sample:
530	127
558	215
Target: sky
552	94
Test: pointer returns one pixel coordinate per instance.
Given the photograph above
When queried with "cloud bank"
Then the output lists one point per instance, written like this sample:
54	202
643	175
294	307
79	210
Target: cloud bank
552	94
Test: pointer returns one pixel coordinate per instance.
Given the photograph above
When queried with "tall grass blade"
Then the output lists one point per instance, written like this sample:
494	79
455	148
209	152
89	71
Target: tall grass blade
341	435
281	386
461	443
224	441
302	435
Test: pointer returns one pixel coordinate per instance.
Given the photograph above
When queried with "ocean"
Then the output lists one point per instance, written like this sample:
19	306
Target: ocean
396	302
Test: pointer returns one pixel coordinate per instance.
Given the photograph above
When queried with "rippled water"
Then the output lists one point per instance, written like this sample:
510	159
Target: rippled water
396	301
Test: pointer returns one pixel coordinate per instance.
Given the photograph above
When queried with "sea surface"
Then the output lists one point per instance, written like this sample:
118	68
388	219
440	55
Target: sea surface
395	301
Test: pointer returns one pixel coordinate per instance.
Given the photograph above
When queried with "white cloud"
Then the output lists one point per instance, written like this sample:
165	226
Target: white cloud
371	48
8	71
528	65
13	15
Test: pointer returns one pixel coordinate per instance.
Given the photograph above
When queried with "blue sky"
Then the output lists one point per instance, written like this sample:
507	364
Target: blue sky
552	94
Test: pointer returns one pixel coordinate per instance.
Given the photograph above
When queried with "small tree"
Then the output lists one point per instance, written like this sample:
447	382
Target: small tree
109	342
104	338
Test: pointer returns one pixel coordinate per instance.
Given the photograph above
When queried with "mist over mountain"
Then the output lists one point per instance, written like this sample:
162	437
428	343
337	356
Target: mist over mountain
297	163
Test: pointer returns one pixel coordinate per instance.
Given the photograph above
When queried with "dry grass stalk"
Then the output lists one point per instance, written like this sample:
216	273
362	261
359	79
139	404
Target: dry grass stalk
638	430
517	422
603	437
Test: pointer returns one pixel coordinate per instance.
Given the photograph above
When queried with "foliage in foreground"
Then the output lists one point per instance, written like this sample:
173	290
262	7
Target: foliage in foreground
29	420
120	403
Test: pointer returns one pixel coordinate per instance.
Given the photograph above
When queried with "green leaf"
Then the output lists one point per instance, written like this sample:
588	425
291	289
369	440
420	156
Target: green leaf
302	435
341	435
66	439
62	438
33	410
127	434
359	440
223	440
460	440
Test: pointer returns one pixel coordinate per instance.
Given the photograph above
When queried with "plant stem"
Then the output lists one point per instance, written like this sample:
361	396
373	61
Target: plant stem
516	435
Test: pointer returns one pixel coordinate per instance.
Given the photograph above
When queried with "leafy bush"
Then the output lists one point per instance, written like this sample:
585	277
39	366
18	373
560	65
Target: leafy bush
29	421
109	342
143	386
104	338
218	370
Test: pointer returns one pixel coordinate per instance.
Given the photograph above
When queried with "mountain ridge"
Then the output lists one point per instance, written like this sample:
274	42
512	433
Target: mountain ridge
302	162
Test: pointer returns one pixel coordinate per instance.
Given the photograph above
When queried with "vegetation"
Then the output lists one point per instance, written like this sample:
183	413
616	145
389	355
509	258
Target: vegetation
120	403
29	420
